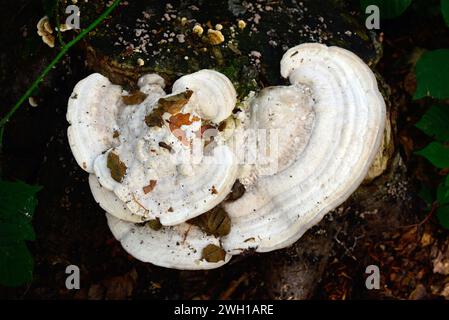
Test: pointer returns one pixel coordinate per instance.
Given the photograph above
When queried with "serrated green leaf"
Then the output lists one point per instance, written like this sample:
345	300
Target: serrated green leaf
435	123
437	154
443	194
16	264
443	216
388	8
17	204
432	75
445	10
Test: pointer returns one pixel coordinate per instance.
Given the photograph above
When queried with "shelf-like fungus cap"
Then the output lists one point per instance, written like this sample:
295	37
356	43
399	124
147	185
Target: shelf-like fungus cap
183	247
213	94
327	128
92	113
147	147
339	118
155	170
109	202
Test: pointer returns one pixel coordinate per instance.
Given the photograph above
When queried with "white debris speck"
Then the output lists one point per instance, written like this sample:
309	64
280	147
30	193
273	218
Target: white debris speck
256	54
181	38
32	101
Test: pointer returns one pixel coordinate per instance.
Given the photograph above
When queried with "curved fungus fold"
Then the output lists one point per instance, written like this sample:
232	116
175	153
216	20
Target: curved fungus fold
183	247
334	155
180	211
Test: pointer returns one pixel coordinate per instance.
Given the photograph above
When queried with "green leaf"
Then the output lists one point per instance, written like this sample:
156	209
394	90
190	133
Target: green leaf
388	8
426	194
13	231
437	154
435	123
445	10
447	181
432	75
17	200
16	264
443	216
17	204
443	194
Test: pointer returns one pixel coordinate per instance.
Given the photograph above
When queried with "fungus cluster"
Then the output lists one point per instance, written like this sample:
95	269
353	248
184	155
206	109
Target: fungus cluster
177	208
45	31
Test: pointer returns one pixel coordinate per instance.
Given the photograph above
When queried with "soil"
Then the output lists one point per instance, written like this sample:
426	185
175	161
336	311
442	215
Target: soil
397	232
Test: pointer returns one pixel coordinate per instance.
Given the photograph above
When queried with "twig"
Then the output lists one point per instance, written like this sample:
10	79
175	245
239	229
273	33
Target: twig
426	219
232	287
61	41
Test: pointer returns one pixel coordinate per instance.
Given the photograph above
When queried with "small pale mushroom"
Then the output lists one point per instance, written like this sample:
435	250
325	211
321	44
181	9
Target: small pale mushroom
215	36
197	29
45	30
213	93
325	151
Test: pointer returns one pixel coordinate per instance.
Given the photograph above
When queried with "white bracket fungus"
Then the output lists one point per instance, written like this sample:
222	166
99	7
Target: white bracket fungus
138	149
330	122
333	154
213	94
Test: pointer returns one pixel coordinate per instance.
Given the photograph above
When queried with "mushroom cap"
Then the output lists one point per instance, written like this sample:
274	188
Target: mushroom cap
213	93
154	183
176	197
349	119
177	247
92	113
